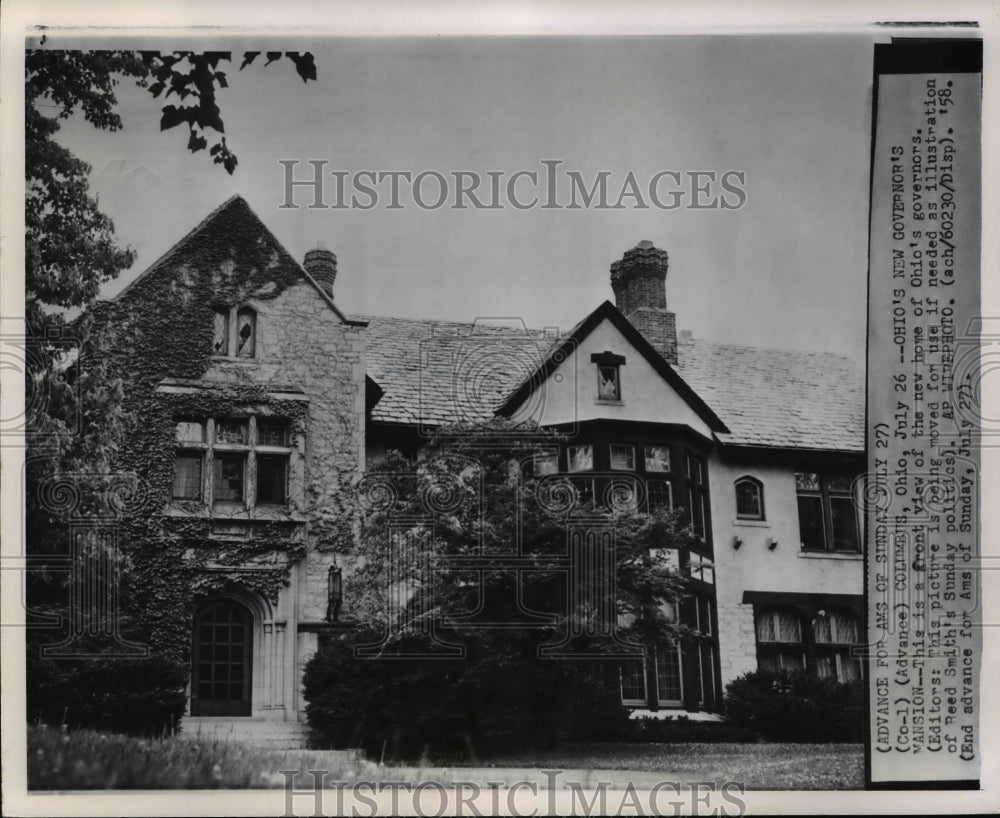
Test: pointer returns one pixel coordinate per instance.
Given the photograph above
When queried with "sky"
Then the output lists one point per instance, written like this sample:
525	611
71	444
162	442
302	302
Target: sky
791	112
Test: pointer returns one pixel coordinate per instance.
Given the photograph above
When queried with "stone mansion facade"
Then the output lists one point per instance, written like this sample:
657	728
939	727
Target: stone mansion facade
267	396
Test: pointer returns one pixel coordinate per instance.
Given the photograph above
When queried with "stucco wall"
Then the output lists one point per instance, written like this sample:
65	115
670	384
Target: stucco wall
754	567
570	393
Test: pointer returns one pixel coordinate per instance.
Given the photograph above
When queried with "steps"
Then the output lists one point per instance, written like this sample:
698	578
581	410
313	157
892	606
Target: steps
274	735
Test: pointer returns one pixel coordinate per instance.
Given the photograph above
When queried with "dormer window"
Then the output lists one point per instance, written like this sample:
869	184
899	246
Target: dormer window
609	386
246	332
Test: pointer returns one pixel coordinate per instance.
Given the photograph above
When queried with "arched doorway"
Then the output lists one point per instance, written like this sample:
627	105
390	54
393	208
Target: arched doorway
222	660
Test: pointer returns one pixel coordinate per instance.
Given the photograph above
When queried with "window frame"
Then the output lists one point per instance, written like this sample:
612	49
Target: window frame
231	321
808	648
697	487
212	449
612	363
747	479
826	495
630	447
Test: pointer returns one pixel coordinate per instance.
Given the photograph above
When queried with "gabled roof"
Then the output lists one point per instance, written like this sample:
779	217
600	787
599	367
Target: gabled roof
234	207
765	397
609	312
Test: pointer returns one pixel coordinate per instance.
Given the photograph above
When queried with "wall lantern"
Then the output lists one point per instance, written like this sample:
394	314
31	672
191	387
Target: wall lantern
737	542
772	544
334	593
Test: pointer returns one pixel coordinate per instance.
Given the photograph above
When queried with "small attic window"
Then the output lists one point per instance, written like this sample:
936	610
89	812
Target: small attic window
220	332
609	386
246	332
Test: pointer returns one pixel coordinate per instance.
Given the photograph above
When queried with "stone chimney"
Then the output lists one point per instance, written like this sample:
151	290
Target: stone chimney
321	264
639	283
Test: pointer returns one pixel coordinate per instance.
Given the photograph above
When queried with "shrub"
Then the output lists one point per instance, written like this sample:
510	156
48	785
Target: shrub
463	709
797	707
142	696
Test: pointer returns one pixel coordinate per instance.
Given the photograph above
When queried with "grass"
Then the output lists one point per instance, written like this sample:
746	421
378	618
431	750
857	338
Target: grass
87	760
760	766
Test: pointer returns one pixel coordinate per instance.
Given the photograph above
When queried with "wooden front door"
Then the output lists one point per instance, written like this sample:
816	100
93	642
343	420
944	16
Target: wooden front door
222	660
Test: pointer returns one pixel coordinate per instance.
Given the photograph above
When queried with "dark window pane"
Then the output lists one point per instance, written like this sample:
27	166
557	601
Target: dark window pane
271	477
668	675
811	523
187	477
660	494
845	524
696	510
229	478
622	457
633	676
272	433
748	500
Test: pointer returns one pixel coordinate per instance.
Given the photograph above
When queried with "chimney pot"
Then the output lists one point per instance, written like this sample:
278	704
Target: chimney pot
639	283
321	264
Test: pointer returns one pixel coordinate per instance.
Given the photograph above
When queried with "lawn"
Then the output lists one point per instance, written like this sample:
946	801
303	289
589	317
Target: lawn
84	759
758	766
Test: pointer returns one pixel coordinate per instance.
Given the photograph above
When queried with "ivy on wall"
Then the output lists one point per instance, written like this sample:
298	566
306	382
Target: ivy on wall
161	327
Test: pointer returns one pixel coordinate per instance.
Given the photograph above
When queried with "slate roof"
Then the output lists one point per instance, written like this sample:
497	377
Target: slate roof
766	397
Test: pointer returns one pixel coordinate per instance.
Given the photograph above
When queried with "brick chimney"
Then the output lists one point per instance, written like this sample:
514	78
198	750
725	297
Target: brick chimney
639	283
321	264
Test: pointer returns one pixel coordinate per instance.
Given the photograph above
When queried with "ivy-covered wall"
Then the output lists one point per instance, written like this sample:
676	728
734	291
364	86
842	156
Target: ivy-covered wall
308	369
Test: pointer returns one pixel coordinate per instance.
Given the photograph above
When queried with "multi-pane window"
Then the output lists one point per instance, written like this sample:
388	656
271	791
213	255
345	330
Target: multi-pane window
701	568
697	493
234	332
232	461
580	458
835	633
779	640
792	640
188	480
229	477
657	458
633	682
749	499
622	457
827	513
659	494
187	477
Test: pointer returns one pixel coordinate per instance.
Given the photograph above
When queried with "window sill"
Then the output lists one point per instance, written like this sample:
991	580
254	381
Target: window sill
610	401
831	555
752	523
237	514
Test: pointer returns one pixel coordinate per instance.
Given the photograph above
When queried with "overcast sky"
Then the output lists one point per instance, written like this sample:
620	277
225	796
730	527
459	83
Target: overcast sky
788	269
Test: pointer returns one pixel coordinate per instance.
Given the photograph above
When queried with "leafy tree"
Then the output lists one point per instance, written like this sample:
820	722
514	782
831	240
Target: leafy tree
435	569
73	406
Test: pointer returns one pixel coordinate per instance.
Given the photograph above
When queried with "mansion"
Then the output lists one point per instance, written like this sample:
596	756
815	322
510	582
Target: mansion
258	396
